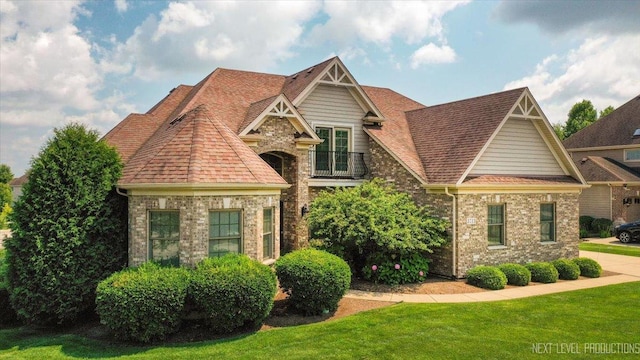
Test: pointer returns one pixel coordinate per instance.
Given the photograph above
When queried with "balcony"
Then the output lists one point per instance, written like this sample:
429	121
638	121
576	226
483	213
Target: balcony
337	165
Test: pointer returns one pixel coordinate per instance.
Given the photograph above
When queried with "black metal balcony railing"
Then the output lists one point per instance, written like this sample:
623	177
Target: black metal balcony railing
337	164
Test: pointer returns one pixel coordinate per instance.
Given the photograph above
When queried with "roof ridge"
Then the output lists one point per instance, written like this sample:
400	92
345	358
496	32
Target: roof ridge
473	98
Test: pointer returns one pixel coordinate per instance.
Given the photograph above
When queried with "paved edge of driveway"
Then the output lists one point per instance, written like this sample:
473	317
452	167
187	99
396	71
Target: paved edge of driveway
628	268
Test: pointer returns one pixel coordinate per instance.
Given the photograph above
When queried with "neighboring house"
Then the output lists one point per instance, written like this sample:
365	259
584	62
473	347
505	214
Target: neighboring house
16	186
607	153
232	164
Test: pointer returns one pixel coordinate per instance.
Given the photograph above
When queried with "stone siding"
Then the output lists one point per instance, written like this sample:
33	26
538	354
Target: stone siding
194	224
522	230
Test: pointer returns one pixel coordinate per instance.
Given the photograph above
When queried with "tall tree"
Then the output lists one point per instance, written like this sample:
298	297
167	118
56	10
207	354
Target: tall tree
559	130
5	174
69	228
606	111
581	115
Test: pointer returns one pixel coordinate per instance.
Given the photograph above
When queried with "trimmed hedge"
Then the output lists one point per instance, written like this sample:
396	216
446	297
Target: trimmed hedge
543	272
144	303
516	274
567	269
232	292
588	267
314	280
487	277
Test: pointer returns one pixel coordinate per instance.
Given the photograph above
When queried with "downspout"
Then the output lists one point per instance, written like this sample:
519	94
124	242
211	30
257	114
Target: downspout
121	193
453	236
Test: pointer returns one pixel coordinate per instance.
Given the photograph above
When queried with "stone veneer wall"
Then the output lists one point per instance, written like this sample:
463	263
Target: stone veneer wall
384	166
522	231
278	136
194	224
620	212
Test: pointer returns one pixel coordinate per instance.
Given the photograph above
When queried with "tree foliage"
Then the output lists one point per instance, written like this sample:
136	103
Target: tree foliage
606	111
581	115
373	218
5	174
5	195
69	228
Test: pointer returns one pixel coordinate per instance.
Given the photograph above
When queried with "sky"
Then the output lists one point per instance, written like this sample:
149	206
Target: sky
94	62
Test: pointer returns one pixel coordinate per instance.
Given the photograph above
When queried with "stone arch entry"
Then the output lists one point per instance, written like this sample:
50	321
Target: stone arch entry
286	165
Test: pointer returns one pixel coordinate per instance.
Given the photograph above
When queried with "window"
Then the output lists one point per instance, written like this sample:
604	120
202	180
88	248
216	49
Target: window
496	225
547	222
332	155
224	233
632	155
164	237
267	233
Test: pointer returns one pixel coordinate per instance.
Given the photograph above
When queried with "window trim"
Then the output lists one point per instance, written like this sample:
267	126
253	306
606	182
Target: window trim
272	232
553	222
626	156
240	230
503	224
149	232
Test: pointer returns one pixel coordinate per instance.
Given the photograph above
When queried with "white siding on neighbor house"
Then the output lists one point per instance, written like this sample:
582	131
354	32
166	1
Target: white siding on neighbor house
596	201
518	149
335	106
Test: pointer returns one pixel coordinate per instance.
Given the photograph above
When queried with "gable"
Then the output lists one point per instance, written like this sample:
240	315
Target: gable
518	149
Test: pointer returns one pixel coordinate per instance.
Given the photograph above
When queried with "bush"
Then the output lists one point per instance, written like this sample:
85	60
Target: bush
584	233
314	280
7	314
567	269
602	224
543	272
516	274
588	267
232	292
143	304
585	223
69	228
604	234
401	270
486	277
373	218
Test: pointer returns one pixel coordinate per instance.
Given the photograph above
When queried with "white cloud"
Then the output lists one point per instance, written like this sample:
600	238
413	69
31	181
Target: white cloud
603	69
432	54
190	36
121	6
381	22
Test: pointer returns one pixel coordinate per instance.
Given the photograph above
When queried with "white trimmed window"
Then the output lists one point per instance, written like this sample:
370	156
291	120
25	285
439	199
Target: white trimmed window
632	155
547	222
267	233
495	224
164	237
225	235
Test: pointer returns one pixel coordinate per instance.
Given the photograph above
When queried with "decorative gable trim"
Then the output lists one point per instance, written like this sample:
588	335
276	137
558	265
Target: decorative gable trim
527	109
281	108
337	74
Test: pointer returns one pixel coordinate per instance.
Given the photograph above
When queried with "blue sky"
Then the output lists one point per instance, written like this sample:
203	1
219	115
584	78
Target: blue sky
95	62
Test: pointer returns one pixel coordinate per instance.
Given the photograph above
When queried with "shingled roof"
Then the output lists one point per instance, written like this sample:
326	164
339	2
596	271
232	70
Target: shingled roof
448	137
615	129
602	169
197	148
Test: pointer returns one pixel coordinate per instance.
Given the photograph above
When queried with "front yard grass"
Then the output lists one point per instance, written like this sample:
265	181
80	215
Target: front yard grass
610	249
493	330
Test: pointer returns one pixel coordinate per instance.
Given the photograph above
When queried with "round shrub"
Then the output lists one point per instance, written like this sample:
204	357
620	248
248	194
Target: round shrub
401	270
588	267
144	303
543	272
516	274
314	280
567	269
486	277
232	292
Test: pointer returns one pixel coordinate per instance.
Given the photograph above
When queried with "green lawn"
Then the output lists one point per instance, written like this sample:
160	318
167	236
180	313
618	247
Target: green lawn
548	326
611	249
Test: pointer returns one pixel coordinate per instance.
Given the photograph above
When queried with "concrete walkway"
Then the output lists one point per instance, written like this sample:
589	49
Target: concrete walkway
627	266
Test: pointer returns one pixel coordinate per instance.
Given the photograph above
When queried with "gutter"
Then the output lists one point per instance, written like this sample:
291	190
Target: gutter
454	257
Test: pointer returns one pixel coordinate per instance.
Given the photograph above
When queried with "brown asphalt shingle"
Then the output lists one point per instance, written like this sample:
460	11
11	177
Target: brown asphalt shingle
601	169
614	129
197	148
